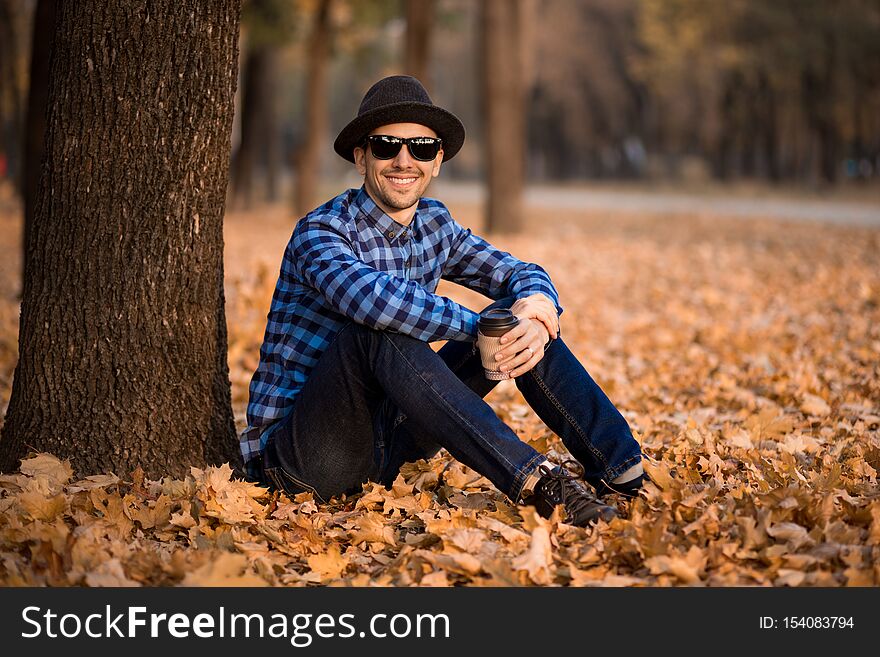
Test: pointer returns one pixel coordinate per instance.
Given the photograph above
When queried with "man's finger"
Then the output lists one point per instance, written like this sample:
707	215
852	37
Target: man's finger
533	360
514	333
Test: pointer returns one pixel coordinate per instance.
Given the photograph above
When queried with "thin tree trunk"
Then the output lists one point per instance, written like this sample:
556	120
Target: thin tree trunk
769	128
270	137
419	19
11	88
38	98
504	113
256	100
308	160
123	336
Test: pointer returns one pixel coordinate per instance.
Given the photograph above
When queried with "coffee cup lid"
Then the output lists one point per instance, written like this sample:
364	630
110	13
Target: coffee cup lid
497	318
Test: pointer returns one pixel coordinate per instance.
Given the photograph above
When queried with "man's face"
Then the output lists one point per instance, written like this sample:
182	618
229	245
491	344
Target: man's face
397	184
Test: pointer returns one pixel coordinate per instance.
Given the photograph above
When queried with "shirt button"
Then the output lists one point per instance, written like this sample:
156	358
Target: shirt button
391	234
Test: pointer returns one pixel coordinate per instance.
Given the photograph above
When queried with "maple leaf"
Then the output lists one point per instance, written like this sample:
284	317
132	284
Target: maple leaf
109	574
789	577
40	507
459	562
538	560
94	481
48	468
420	475
687	568
435	579
329	564
659	474
791	532
599	577
859	577
466	540
372	529
227	569
768	423
815	405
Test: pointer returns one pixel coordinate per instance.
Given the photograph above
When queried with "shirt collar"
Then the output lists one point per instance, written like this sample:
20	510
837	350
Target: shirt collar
389	228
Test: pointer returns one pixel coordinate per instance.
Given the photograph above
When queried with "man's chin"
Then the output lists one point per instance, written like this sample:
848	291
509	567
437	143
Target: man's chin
401	201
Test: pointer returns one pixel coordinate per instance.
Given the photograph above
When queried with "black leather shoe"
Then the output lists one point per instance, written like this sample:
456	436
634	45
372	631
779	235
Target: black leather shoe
630	488
559	486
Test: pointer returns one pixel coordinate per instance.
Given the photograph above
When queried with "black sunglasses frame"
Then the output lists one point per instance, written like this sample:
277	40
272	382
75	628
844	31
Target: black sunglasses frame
387	140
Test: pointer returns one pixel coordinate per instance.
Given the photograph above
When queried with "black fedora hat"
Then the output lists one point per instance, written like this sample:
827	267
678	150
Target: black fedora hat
400	99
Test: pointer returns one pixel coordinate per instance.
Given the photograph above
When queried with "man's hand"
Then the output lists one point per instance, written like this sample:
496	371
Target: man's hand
540	307
522	347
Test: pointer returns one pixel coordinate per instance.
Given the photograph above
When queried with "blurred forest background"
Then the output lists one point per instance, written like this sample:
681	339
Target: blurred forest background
668	90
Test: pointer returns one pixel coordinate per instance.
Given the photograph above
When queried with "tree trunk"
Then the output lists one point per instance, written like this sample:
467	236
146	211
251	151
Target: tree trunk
419	17
35	122
122	340
11	84
256	113
728	127
271	134
308	160
769	128
504	113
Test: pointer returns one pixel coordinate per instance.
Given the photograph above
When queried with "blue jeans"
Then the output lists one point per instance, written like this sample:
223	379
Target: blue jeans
378	399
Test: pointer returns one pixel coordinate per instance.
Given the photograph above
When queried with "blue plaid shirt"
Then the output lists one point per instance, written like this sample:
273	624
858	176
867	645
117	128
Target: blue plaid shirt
349	261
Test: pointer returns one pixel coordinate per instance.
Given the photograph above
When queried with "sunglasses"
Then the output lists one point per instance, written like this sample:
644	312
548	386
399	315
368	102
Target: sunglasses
386	147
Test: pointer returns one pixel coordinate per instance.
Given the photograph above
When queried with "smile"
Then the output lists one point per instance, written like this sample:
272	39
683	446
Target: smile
402	181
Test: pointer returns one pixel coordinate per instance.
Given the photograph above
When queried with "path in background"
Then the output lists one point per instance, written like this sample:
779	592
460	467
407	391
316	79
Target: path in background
647	201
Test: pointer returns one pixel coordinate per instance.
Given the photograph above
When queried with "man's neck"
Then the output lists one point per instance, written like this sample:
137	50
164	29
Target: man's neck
404	217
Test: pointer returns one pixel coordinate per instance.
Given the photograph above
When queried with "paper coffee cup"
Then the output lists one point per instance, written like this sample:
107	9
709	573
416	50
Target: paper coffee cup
493	324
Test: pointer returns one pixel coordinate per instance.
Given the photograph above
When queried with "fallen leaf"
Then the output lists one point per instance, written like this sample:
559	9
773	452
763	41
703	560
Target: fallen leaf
814	405
329	564
227	569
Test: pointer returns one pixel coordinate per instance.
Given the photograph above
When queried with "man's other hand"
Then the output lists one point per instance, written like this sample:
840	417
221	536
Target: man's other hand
540	307
522	347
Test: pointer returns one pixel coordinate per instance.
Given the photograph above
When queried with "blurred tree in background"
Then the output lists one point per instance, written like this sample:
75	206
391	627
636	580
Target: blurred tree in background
35	117
501	30
419	20
308	159
787	90
15	19
267	26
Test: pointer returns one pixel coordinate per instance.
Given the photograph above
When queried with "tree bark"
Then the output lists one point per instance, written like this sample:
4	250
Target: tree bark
35	121
417	41
122	340
504	113
308	160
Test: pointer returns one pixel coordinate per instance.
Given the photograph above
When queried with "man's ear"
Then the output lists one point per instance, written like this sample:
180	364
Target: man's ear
437	162
360	160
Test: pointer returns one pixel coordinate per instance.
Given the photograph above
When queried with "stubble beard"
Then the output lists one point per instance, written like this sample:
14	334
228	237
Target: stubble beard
401	200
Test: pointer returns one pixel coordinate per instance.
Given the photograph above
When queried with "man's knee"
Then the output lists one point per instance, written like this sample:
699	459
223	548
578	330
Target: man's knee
506	302
366	338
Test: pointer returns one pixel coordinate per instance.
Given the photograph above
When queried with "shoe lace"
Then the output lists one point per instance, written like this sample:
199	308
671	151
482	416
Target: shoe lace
574	498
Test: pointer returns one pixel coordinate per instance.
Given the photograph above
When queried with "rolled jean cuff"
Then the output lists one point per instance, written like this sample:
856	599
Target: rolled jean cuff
522	473
614	472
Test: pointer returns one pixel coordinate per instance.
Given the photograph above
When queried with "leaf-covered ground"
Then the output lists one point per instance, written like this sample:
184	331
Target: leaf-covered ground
744	354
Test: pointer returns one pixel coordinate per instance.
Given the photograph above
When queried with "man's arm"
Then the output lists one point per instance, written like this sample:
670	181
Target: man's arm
325	260
478	265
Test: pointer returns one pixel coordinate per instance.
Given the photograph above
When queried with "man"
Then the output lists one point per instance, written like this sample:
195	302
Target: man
348	388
